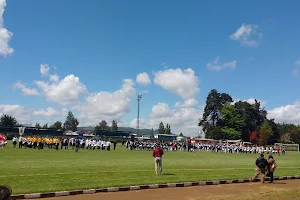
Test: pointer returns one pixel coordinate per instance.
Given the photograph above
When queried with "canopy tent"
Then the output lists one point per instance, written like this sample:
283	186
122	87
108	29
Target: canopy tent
76	133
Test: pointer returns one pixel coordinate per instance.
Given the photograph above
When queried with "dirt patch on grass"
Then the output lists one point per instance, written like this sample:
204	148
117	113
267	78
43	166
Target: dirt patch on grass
287	189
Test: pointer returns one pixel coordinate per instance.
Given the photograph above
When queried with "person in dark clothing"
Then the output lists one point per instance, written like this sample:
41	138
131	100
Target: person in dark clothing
77	144
261	165
5	193
115	144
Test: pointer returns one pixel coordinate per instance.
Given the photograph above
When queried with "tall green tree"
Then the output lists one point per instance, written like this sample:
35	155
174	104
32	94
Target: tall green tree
71	122
168	129
8	121
161	128
212	113
295	136
114	125
102	126
232	122
37	125
57	125
45	126
265	133
214	132
253	116
275	136
181	135
213	107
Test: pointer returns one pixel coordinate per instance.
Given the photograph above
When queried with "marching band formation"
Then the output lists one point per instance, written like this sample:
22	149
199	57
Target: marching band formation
192	147
37	142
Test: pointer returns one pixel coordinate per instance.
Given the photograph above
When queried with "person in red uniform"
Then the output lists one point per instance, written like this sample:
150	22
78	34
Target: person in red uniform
157	154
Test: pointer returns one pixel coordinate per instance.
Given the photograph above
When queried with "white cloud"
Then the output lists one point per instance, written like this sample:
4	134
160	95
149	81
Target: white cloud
160	110
286	114
183	120
25	90
22	114
143	79
296	69
66	91
106	106
183	83
248	35
215	66
5	35
54	78
164	65
31	115
51	112
44	69
187	103
252	101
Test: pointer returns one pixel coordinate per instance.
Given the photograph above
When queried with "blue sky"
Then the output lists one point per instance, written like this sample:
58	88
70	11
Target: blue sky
247	49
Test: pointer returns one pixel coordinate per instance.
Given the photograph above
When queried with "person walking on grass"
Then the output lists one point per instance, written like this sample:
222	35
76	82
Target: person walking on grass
261	165
157	154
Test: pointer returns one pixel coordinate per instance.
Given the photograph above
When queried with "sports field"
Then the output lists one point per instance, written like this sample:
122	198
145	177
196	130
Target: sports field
32	170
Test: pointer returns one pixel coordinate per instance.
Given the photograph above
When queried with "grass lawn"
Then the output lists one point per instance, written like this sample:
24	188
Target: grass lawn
32	170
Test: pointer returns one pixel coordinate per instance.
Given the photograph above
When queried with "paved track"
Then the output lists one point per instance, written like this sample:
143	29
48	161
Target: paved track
214	192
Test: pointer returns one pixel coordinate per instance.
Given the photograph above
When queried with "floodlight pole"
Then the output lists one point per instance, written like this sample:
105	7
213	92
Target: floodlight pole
139	97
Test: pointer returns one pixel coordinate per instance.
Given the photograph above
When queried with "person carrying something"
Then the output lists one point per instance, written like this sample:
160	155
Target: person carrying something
157	154
271	168
261	164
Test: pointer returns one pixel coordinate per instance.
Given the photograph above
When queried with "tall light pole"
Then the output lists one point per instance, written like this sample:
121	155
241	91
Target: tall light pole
139	97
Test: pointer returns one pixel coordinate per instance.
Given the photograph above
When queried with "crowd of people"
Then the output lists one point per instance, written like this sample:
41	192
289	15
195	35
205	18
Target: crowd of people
191	147
37	142
264	167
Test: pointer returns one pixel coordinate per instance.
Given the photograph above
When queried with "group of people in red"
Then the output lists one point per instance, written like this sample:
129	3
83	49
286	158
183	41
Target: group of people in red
3	140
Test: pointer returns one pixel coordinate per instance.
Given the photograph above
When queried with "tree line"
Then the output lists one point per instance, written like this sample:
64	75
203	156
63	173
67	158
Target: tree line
71	123
224	119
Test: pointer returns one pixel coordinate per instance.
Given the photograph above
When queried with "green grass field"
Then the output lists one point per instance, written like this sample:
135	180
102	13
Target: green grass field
32	170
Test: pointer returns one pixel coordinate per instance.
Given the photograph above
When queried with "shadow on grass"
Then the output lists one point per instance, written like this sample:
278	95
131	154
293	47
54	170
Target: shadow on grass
168	174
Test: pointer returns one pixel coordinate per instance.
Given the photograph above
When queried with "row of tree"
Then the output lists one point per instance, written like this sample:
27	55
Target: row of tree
223	119
104	126
71	123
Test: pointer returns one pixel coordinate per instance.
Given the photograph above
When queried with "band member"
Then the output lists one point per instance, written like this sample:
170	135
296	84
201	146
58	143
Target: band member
20	142
77	144
14	141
